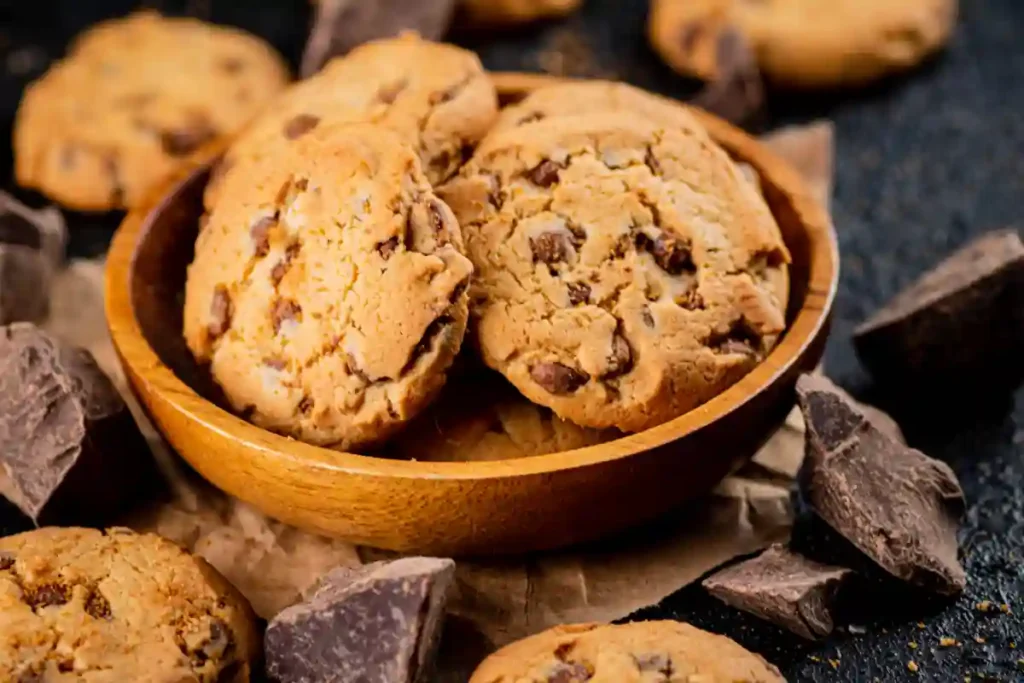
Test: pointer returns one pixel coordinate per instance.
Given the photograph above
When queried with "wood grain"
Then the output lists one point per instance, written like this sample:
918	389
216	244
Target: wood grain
494	507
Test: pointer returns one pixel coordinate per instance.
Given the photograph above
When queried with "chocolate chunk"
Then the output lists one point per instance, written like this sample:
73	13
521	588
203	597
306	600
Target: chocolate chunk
545	173
31	251
551	247
784	588
558	378
654	662
959	326
579	293
569	672
341	25
621	359
672	254
379	623
69	448
299	125
180	142
277	273
6	560
47	595
260	233
97	606
737	93
283	311
387	247
897	505
220	312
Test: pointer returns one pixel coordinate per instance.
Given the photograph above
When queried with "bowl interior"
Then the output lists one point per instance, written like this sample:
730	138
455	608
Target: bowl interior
479	416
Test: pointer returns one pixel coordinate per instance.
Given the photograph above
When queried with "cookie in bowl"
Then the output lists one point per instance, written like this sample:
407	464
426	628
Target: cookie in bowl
626	271
328	289
134	99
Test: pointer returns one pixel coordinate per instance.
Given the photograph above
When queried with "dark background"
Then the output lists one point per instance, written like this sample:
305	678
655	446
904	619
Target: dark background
923	163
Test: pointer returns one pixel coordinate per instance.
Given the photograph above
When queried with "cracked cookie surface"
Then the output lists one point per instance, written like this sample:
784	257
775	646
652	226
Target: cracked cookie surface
802	43
114	606
436	96
638	652
134	98
328	290
626	272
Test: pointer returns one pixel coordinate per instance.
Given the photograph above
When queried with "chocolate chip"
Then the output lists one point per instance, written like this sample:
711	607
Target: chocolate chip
652	162
530	118
437	221
621	359
433	331
6	561
179	142
219	643
558	378
275	363
550	247
277	273
661	663
736	346
579	293
691	300
740	337
389	93
220	312
647	317
97	606
305	404
387	247
47	595
282	311
569	672
545	173
301	184
672	254
300	125
260	233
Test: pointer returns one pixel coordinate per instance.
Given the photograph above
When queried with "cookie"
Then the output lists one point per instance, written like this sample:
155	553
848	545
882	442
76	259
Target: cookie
328	290
132	101
645	651
434	95
512	12
106	607
626	272
797	43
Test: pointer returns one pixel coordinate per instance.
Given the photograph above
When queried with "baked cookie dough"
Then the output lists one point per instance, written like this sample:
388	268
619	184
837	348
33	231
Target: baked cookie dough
114	606
626	272
644	652
803	43
434	95
134	98
511	12
328	290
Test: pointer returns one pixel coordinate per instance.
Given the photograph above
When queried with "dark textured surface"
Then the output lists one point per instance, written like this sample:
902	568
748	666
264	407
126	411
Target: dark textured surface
924	163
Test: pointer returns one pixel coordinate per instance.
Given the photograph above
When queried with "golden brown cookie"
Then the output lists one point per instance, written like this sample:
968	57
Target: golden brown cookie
626	272
511	12
434	95
638	652
328	290
803	43
115	606
134	98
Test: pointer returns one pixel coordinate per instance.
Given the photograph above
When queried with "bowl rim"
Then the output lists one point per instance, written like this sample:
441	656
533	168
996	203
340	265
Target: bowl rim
143	365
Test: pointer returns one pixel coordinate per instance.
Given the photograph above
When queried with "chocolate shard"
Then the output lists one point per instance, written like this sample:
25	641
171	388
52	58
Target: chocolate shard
376	624
737	93
341	25
31	251
961	325
70	451
784	588
897	505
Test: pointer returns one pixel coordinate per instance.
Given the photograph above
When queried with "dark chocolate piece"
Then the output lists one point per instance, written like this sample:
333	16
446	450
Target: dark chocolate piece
70	450
375	624
897	505
737	93
961	324
784	588
341	25
31	251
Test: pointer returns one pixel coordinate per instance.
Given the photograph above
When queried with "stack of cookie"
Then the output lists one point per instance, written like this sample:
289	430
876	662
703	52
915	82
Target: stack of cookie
603	254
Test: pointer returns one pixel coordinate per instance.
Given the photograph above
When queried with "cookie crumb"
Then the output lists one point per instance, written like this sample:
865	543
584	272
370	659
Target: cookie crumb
946	641
834	663
979	639
912	645
912	666
983	606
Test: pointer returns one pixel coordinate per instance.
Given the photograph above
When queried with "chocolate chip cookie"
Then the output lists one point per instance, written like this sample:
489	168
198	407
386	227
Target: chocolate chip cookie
113	606
436	96
802	43
626	271
328	290
646	651
512	12
132	101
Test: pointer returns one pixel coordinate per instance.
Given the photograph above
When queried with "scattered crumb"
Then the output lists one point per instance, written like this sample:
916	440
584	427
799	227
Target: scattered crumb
856	629
1004	608
1013	644
946	641
834	663
912	645
983	606
815	658
920	624
912	665
1020	663
979	639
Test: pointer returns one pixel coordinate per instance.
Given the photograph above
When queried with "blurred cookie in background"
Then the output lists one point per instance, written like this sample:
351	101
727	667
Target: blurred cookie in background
803	43
497	13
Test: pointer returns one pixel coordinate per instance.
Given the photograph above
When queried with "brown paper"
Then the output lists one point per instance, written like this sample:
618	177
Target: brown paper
494	601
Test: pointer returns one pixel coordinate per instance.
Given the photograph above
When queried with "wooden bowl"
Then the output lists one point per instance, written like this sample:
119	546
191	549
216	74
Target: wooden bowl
492	507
